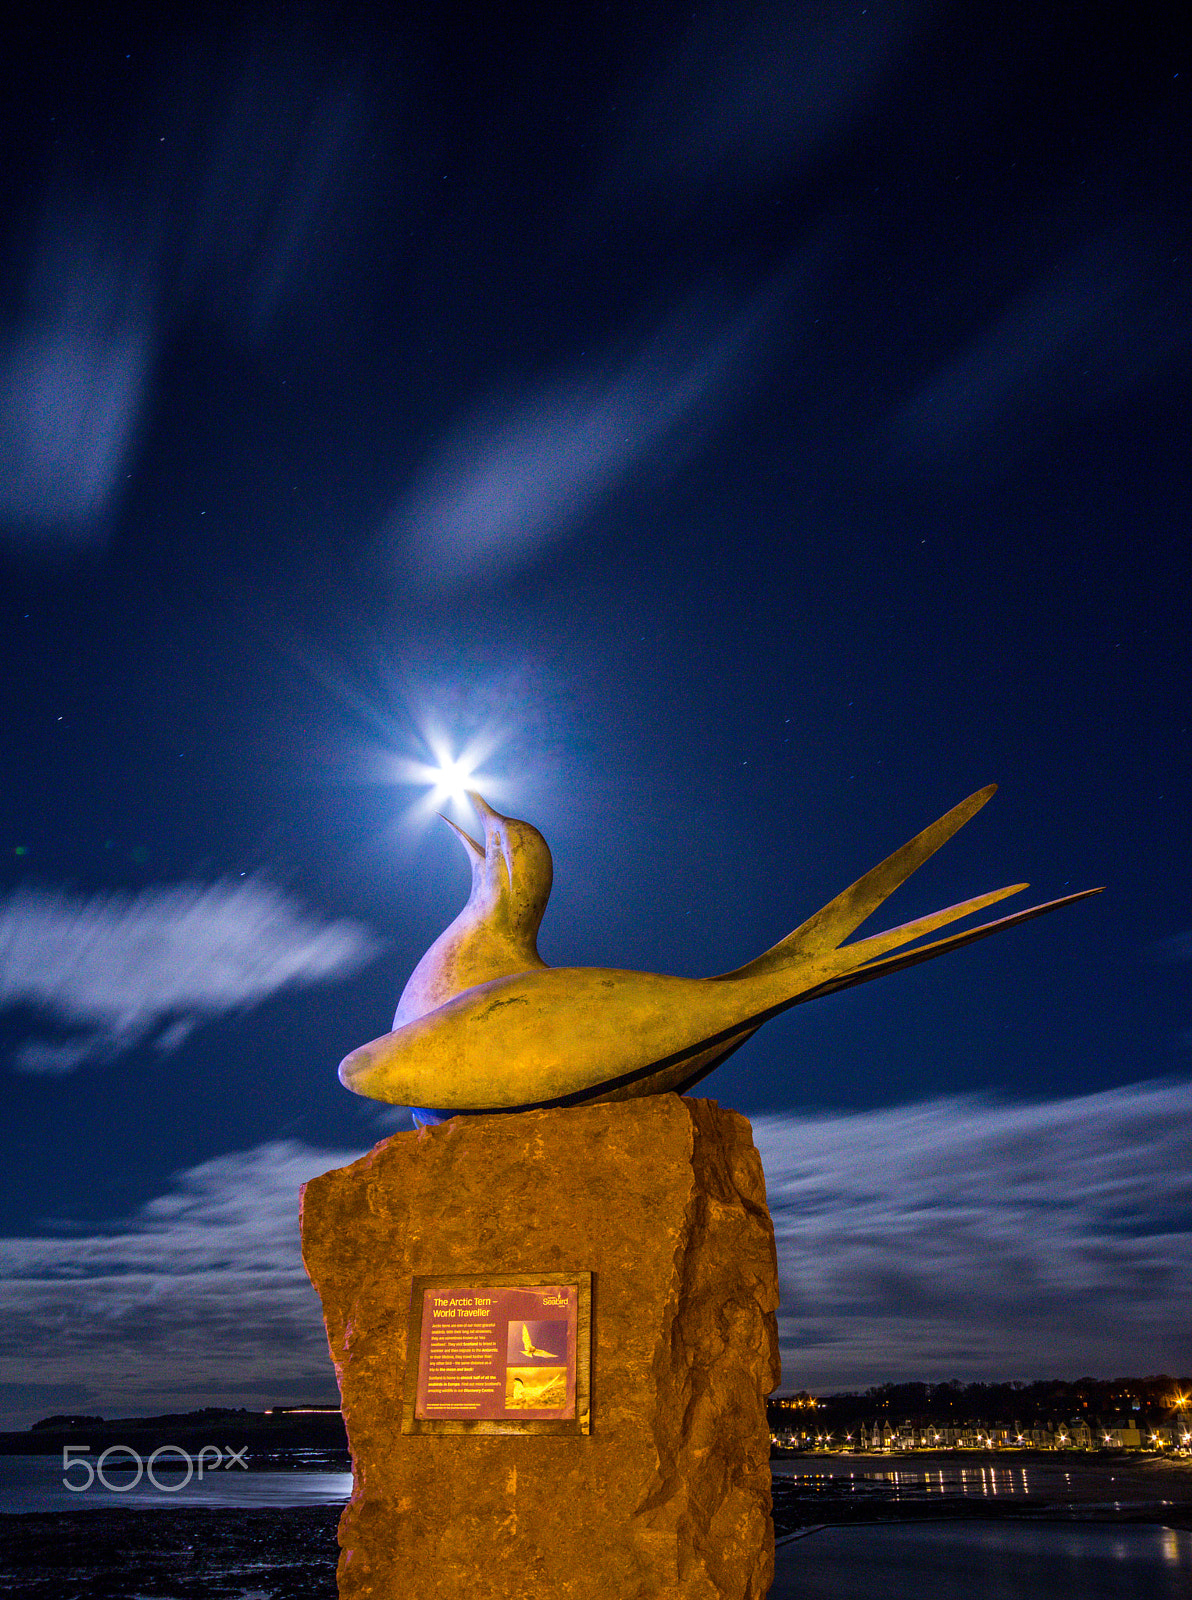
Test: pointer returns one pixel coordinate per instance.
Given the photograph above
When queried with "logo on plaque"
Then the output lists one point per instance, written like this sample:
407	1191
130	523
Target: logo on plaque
504	1353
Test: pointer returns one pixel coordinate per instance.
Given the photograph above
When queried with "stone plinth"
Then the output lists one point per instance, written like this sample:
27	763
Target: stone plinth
663	1200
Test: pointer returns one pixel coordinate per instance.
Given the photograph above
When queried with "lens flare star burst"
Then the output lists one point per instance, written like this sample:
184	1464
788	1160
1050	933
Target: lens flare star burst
447	777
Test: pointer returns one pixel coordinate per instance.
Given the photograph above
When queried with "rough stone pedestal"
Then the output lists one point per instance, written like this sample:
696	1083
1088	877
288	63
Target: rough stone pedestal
663	1200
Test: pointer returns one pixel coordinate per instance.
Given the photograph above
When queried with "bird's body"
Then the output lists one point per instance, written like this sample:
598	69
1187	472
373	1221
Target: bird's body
488	1026
562	1026
496	933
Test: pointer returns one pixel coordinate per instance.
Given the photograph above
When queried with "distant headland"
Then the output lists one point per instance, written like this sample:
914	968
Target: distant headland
280	1430
1152	1413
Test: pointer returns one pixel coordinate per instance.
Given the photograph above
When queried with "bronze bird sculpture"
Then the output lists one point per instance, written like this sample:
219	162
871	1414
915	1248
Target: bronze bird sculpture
485	1025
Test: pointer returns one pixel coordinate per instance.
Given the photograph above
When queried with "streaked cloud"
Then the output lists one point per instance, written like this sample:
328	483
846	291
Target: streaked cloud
73	376
241	213
286	145
955	1238
200	1298
527	469
751	91
1177	948
116	969
962	1238
1084	332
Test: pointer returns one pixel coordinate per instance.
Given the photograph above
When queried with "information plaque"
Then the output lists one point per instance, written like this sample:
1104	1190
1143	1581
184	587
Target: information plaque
499	1353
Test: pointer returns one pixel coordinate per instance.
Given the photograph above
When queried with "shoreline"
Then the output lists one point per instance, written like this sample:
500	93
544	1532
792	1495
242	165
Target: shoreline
1021	1485
194	1552
291	1553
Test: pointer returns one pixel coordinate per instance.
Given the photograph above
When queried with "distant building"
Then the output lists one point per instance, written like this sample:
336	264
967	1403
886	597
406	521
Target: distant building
1121	1438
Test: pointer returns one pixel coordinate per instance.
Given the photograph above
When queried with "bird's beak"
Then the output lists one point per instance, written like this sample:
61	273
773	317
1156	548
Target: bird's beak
482	808
489	817
469	843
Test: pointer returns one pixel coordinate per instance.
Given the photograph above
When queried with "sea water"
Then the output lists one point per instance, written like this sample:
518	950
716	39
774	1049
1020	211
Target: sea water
947	1560
1008	1560
36	1483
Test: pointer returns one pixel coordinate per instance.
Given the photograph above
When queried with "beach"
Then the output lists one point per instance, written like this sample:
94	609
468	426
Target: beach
282	1553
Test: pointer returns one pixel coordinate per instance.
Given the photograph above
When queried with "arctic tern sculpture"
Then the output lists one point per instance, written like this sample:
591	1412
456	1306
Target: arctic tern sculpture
485	1025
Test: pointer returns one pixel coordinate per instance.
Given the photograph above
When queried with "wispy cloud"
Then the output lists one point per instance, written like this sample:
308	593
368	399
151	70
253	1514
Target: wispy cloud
241	214
73	374
198	1299
957	1238
1083	333
117	968
750	91
964	1238
528	469
285	143
1177	948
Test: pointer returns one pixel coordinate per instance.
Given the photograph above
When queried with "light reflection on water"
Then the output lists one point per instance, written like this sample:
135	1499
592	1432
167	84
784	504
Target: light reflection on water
34	1483
895	1483
967	1560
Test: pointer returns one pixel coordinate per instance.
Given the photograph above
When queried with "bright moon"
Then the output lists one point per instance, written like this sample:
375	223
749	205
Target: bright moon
452	780
448	777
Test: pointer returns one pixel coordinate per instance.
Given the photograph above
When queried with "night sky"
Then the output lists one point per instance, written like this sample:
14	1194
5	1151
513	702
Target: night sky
741	433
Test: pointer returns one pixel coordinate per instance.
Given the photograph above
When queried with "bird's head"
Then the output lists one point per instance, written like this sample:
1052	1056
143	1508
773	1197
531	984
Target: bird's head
512	870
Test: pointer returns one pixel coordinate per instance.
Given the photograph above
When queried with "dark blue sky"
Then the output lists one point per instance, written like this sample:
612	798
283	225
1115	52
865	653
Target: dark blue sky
763	426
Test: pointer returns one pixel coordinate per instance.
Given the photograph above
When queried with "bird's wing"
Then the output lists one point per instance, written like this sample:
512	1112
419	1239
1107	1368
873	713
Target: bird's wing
928	952
526	1345
833	923
852	955
684	1068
